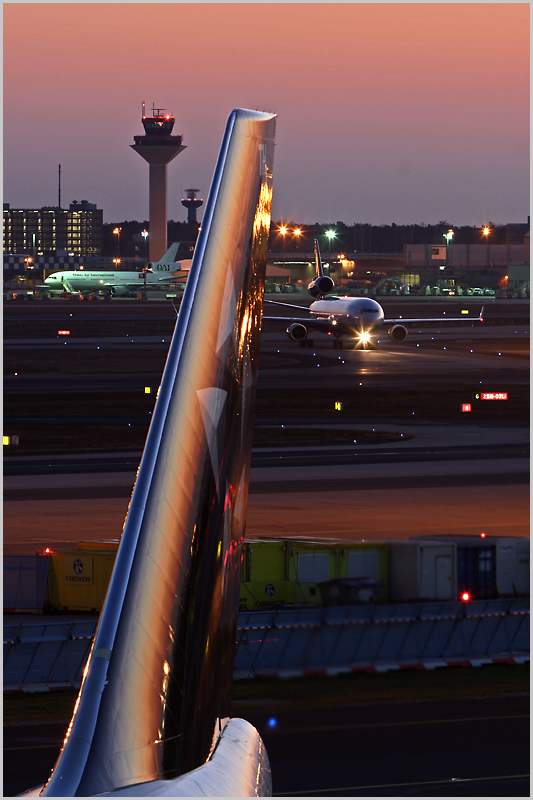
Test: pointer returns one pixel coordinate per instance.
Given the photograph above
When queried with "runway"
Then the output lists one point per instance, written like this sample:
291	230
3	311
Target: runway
460	474
436	482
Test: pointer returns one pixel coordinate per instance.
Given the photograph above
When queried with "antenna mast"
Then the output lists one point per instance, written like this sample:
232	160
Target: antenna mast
59	189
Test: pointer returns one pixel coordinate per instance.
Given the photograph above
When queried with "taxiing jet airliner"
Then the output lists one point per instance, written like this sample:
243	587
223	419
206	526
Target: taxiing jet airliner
159	275
152	715
360	317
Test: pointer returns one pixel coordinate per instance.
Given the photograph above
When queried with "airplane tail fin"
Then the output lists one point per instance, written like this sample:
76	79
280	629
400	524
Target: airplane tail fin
170	256
157	686
322	284
318	261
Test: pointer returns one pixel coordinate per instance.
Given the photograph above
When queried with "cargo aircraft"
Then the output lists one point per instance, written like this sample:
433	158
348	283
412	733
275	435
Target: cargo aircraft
359	317
159	275
152	714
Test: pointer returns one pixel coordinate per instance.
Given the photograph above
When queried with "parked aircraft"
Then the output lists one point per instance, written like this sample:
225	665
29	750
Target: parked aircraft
160	274
359	317
152	715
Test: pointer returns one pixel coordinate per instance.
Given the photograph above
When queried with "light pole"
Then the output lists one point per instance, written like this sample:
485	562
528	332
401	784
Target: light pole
144	271
117	232
486	232
144	234
448	236
283	230
297	232
331	234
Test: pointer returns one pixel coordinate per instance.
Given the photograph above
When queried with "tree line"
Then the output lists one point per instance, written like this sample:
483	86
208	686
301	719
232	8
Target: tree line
359	237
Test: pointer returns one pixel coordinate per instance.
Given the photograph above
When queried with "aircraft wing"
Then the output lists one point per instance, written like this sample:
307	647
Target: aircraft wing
432	320
151	715
138	285
322	323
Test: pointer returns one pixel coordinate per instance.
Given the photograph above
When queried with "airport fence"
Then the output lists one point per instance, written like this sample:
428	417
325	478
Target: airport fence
297	642
24	582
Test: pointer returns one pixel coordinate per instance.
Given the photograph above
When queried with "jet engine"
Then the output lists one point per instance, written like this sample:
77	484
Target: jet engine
397	333
119	291
321	286
297	332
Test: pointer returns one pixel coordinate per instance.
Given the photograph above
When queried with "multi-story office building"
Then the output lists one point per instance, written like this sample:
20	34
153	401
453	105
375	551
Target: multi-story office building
77	230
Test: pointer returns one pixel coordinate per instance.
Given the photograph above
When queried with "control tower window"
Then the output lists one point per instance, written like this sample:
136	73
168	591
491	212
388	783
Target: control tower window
155	126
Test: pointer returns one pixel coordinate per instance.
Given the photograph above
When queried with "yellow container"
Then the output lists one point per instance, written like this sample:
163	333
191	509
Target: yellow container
78	579
297	571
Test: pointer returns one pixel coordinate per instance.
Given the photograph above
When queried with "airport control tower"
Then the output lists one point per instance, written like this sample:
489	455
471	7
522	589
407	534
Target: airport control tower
191	204
158	147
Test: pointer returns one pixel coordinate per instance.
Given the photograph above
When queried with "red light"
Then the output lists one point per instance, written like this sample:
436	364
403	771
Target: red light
63	333
466	407
465	597
482	535
47	551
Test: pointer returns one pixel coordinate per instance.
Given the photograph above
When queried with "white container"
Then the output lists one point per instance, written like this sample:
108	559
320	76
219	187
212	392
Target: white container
422	571
512	566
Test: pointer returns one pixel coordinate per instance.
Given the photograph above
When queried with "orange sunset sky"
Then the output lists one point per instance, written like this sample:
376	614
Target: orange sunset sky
403	112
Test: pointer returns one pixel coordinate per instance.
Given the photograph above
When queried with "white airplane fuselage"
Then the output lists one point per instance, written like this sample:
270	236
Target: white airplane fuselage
117	282
361	311
86	281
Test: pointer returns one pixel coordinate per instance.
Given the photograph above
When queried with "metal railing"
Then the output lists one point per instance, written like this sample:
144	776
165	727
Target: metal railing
305	641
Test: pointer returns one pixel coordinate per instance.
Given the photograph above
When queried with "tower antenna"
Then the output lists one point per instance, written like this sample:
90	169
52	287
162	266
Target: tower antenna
59	189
